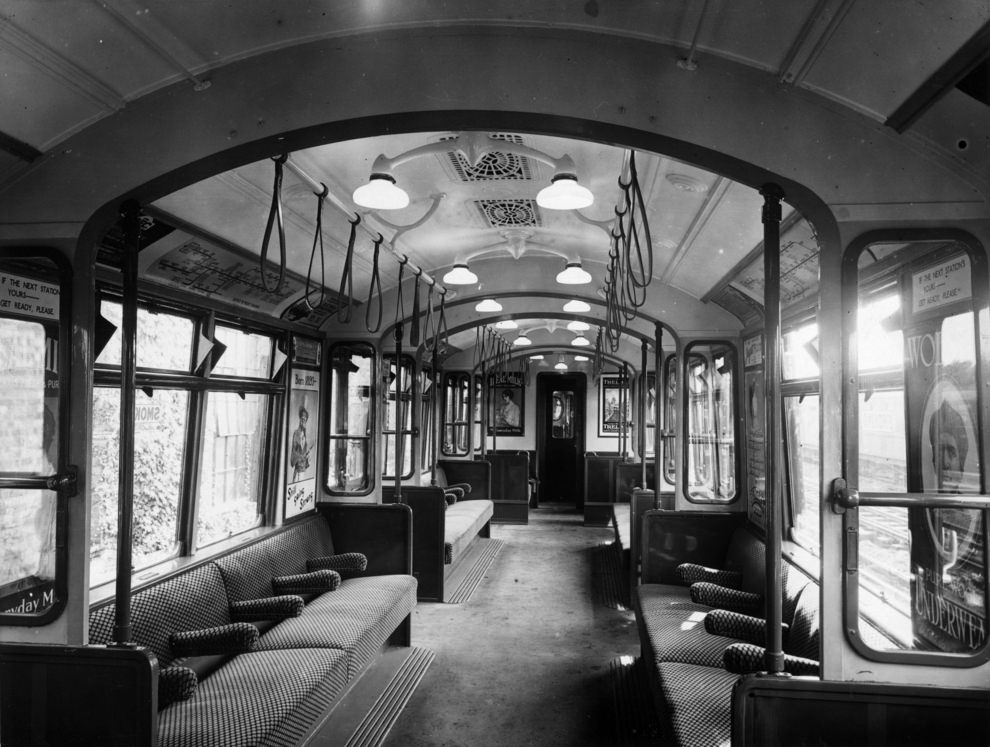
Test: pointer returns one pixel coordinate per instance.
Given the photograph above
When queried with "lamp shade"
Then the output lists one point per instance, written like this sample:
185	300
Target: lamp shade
489	304
506	324
564	193
537	357
522	340
581	358
577	326
460	275
560	366
573	274
381	193
578	307
581	341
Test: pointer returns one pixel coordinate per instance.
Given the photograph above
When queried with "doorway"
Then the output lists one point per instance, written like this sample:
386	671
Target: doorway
560	426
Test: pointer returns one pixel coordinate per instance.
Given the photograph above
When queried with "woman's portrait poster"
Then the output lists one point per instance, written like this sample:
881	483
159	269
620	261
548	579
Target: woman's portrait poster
506	403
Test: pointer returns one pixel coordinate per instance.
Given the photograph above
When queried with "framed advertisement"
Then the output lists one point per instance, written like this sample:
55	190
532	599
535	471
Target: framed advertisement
506	404
300	468
612	392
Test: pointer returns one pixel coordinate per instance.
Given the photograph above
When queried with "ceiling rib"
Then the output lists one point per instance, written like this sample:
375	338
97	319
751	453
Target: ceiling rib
58	68
812	39
712	200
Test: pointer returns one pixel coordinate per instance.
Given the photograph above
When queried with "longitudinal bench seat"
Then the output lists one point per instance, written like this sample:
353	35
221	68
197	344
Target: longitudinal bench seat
227	681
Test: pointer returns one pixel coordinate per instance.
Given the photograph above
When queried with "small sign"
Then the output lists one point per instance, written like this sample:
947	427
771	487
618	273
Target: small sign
942	284
26	297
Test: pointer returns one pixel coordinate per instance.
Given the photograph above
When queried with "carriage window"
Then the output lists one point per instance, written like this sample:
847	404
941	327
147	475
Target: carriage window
646	449
426	420
351	420
711	460
160	424
669	433
479	395
920	528
456	411
32	565
398	408
166	339
563	415
248	355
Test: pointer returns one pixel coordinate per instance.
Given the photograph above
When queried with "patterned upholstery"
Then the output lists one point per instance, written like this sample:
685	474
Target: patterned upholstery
746	658
462	522
347	564
175	683
193	600
713	595
692	572
314	582
269	608
698	702
737	625
235	638
261	698
358	617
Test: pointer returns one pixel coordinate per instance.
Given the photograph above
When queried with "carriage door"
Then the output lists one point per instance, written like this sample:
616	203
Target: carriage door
35	482
560	432
915	499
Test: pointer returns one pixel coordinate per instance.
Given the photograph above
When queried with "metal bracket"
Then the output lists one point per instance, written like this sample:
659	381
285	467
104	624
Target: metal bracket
66	483
843	496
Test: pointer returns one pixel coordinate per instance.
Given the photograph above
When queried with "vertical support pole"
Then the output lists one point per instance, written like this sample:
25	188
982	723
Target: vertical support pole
436	403
772	195
641	413
131	213
658	409
399	411
623	395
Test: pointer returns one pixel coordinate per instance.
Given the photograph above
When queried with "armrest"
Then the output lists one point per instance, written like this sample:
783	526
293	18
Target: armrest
314	582
462	486
714	595
452	495
693	572
341	564
268	608
736	625
745	658
235	638
382	532
175	683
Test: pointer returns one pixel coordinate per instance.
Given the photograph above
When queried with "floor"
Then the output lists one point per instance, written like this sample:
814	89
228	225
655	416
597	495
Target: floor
528	659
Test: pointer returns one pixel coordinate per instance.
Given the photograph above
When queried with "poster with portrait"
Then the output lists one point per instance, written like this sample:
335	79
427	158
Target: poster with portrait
301	440
613	392
506	404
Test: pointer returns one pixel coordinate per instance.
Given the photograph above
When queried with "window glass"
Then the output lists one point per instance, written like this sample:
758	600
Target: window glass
247	355
563	414
921	582
427	417
711	464
456	411
164	341
398	403
230	478
801	429
800	352
159	434
351	419
650	415
669	432
479	394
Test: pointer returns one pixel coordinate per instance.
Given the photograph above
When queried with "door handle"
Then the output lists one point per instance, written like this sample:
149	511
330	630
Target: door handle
844	496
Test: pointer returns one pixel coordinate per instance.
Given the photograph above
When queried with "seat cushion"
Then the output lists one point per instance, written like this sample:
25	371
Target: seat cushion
358	618
462	522
676	632
261	698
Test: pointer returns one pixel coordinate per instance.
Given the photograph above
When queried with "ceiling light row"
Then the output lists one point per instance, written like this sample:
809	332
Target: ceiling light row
573	274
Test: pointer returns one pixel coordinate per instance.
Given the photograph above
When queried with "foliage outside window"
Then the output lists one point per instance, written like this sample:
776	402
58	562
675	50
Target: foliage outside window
349	444
398	404
711	433
226	400
456	413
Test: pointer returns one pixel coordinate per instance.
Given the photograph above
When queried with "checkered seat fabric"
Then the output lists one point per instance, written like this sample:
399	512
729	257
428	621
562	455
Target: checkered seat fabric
462	522
260	699
692	572
698	703
358	618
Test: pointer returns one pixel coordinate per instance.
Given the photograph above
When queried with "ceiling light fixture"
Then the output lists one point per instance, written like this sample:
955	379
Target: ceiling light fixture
381	193
489	304
564	193
522	340
577	326
560	366
573	274
581	358
460	275
575	306
506	324
537	357
581	341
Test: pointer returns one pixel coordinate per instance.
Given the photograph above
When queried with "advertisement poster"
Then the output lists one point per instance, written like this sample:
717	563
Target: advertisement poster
613	394
506	403
300	471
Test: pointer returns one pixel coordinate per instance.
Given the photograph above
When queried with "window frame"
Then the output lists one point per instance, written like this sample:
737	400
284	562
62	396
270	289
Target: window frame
371	439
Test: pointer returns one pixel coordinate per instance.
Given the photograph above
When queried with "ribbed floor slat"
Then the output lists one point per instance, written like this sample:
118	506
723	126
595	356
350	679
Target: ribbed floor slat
635	719
372	731
610	580
472	578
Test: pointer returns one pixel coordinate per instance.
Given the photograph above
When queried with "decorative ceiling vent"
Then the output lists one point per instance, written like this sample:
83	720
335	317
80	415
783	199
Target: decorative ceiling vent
509	213
492	166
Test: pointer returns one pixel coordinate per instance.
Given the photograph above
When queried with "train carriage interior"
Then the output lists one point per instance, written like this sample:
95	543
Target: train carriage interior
579	373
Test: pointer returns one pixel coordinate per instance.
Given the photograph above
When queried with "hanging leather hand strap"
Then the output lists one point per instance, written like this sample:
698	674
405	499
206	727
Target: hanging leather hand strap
374	291
275	214
414	329
317	240
347	276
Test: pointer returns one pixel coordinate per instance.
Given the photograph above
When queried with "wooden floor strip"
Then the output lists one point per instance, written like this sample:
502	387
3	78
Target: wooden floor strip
470	581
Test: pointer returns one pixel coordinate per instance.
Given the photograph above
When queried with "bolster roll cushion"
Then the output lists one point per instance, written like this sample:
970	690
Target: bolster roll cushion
347	564
234	638
314	582
175	683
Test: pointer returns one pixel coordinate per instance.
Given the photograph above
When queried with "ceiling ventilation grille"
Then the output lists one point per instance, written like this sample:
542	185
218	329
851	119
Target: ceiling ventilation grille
494	165
509	213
